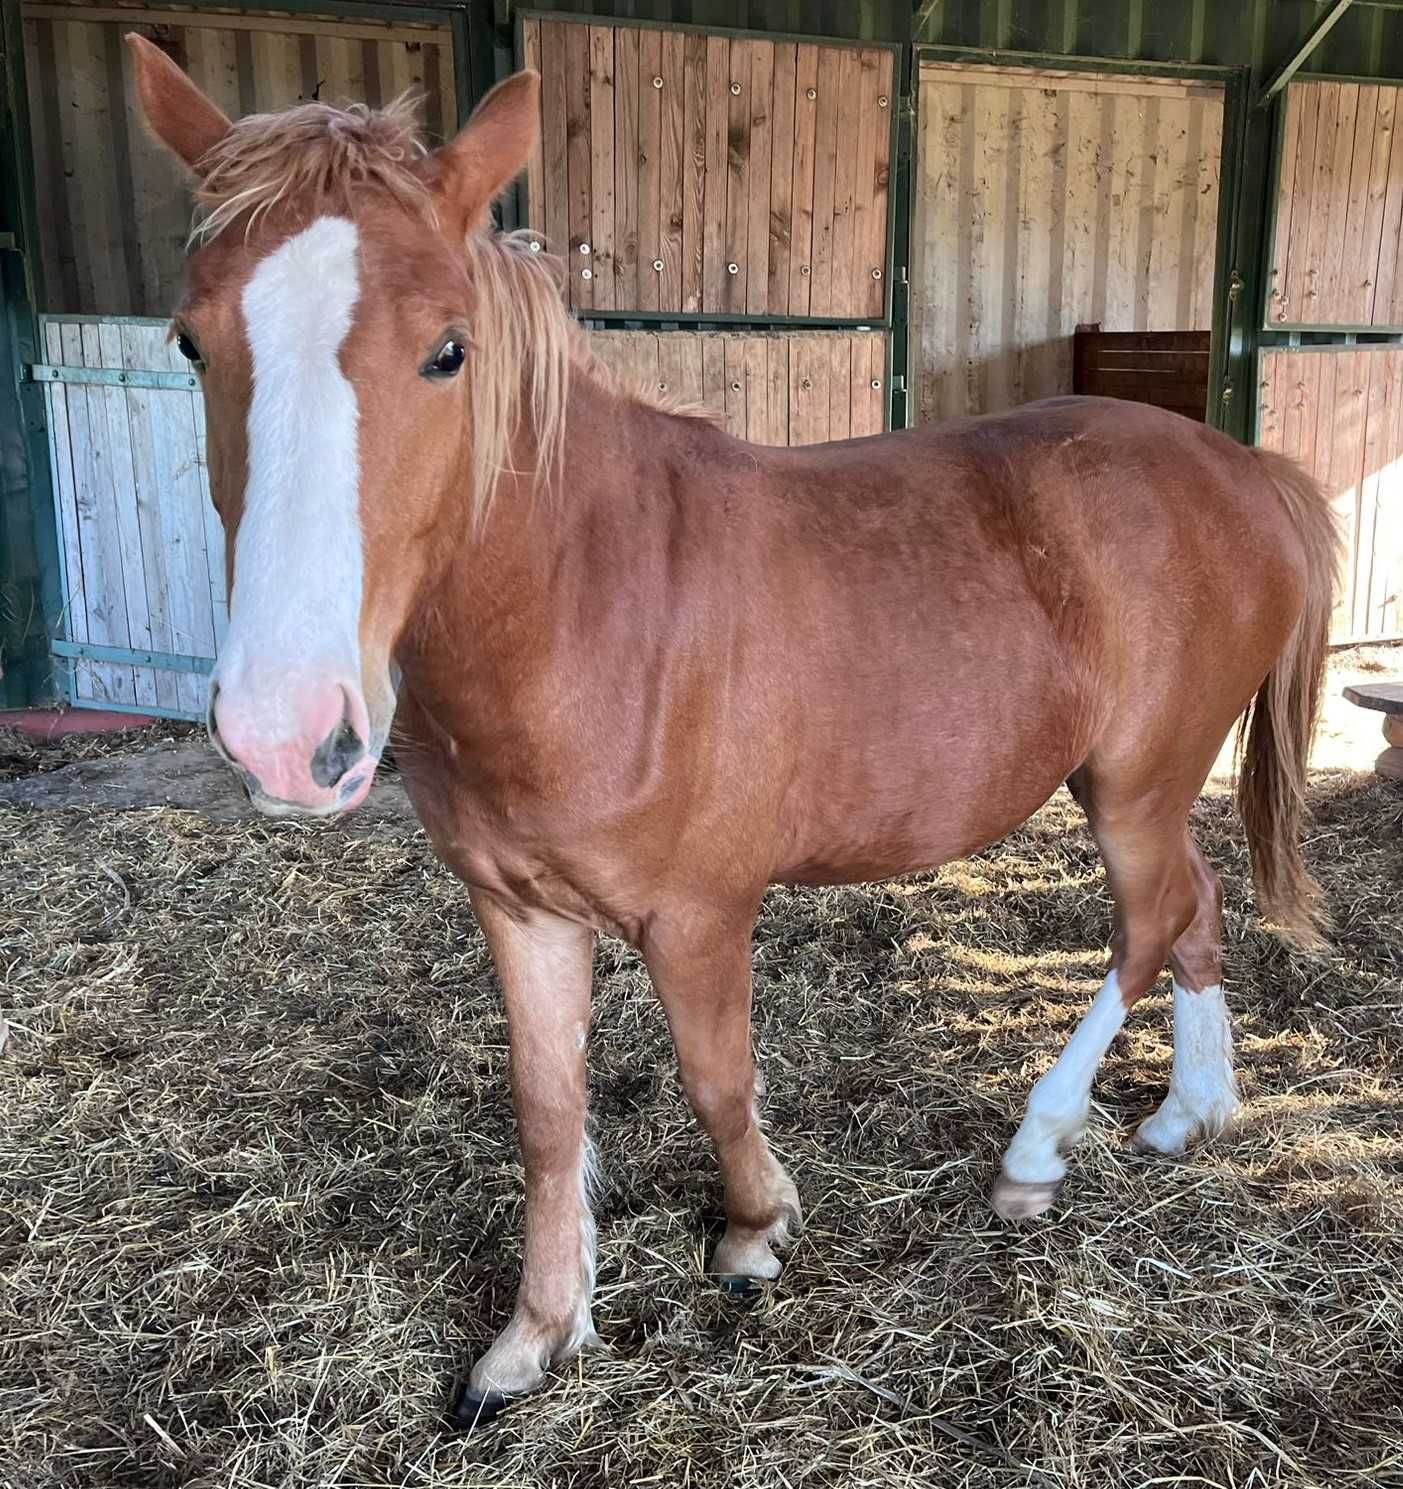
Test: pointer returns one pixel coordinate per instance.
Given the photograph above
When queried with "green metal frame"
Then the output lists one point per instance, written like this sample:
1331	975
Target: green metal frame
31	596
1324	24
700	319
1231	359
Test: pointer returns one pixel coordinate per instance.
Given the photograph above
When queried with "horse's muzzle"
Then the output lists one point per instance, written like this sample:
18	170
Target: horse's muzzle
307	757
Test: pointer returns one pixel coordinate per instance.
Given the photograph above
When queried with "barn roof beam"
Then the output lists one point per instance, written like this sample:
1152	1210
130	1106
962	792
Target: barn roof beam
1288	69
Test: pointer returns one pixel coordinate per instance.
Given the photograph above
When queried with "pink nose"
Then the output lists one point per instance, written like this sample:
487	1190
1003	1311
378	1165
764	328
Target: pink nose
306	751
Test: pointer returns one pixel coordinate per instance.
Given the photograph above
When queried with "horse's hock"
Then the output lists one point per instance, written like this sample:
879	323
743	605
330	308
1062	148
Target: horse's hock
1387	699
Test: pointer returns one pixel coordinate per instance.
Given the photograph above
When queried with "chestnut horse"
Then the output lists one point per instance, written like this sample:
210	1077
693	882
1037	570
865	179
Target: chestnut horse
641	670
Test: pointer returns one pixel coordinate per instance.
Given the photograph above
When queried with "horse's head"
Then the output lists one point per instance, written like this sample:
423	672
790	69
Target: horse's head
329	310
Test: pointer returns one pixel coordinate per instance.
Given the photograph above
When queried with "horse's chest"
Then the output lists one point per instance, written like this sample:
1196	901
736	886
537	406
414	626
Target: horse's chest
502	847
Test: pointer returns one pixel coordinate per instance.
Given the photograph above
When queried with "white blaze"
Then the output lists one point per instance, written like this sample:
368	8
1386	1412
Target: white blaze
296	603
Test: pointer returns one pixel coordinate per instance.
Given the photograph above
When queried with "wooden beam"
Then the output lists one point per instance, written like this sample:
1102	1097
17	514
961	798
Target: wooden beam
1288	69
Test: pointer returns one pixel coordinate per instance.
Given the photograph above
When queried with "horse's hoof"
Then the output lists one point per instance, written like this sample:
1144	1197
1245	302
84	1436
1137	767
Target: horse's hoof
477	1408
739	1286
1014	1201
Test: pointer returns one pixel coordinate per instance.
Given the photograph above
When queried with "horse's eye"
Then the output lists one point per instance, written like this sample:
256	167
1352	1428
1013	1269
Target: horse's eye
188	349
446	360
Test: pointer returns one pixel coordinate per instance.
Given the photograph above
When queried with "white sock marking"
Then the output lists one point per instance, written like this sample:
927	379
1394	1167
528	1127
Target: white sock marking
1059	1103
298	555
1202	1089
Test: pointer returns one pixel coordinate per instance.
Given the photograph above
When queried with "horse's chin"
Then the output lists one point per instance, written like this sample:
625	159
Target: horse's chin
336	802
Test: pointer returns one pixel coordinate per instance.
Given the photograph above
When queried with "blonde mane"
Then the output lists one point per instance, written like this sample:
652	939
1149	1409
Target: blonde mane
525	344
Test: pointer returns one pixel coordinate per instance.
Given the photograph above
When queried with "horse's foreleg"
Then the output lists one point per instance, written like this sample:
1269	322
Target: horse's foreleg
544	964
702	974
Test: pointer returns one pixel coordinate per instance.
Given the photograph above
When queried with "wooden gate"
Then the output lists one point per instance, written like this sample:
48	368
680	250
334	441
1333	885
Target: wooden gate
773	388
141	547
1339	411
1046	199
1339	213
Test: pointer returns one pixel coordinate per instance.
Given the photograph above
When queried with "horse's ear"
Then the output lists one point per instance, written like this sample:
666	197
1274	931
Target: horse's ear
186	122
480	162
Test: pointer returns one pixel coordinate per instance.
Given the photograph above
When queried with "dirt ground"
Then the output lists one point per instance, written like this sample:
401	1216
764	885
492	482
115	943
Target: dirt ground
260	1200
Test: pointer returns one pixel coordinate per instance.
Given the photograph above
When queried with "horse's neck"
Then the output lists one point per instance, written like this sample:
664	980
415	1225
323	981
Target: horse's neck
523	593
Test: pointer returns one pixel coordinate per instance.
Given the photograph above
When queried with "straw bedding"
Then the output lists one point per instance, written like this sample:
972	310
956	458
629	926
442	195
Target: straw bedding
261	1202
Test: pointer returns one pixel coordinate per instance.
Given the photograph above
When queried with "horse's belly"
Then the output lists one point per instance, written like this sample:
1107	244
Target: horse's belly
917	812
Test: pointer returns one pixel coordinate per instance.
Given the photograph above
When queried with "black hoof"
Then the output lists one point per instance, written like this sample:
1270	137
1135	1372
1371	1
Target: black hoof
476	1409
738	1285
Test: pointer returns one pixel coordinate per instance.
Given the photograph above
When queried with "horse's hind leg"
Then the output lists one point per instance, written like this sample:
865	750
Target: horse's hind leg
700	966
1202	1091
1150	863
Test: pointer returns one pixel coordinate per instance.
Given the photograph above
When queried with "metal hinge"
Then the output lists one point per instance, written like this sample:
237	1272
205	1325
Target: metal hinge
45	372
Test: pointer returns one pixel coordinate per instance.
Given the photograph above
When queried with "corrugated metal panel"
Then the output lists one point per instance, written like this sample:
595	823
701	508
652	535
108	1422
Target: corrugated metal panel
1340	413
1203	32
798	388
1339	216
1047	200
782	151
112	211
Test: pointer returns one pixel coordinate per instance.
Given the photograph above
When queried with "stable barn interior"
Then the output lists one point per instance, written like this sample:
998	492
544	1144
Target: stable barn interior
813	238
263	1186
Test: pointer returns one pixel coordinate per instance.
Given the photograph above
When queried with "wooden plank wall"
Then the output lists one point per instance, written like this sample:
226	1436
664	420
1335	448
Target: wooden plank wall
709	173
799	388
143	551
1340	413
113	211
1046	199
1339	210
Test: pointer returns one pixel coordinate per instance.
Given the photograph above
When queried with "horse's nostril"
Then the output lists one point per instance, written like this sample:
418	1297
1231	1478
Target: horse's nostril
336	754
211	723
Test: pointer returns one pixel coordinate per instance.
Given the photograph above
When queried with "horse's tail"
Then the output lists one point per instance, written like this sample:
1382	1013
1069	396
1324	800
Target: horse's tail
1274	736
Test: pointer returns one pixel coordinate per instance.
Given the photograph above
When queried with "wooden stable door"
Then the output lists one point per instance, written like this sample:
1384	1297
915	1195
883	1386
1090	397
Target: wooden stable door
1339	210
1046	200
704	173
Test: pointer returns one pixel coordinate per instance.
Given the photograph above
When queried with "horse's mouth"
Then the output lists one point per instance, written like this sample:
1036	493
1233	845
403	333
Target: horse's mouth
344	797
